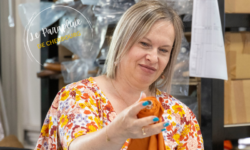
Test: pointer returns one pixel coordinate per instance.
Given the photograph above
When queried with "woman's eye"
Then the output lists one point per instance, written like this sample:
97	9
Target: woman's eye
144	44
163	50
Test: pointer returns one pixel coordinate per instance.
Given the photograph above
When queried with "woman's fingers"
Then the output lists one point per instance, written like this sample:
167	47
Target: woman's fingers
138	106
145	121
134	125
150	120
155	128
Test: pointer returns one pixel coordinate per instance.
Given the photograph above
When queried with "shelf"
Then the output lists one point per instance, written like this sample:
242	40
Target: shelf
55	74
236	125
194	81
49	74
236	132
237	20
231	21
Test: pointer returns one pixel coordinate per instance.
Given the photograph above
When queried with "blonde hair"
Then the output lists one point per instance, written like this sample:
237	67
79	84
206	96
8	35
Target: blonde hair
134	24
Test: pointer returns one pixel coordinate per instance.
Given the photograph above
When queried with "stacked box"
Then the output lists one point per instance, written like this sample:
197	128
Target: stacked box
237	102
237	88
237	6
237	47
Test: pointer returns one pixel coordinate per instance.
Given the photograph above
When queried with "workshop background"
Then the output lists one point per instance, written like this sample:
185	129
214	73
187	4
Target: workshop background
28	86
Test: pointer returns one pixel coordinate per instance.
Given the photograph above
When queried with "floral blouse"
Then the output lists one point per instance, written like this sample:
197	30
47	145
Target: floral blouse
81	107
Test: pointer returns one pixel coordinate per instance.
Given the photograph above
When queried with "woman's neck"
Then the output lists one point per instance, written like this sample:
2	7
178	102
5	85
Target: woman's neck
130	92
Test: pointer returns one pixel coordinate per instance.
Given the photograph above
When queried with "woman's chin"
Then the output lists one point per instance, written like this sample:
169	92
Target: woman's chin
146	80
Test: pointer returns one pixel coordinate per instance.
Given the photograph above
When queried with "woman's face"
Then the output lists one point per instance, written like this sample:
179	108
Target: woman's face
148	57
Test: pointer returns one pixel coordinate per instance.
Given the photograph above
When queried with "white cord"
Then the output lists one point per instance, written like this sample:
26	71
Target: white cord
5	119
139	97
10	17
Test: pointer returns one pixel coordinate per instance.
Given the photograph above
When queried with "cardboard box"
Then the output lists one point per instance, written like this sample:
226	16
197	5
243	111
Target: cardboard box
188	36
237	101
237	6
64	54
237	46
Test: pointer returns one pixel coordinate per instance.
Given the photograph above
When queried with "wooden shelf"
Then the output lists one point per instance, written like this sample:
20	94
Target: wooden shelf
192	81
237	132
236	125
56	75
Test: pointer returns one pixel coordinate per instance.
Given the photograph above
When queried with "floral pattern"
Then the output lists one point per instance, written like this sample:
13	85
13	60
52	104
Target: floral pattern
81	107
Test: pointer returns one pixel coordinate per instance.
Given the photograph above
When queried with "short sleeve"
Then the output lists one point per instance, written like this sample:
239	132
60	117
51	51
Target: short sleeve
191	137
48	138
75	112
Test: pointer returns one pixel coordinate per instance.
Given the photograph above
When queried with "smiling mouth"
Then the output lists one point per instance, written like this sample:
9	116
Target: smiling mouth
150	70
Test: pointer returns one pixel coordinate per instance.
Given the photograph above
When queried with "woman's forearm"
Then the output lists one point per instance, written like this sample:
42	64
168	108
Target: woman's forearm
97	140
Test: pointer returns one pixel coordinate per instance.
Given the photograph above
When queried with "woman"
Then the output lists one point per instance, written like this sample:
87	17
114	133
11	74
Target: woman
99	113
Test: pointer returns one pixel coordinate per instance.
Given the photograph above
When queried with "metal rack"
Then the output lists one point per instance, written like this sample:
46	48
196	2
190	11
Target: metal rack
49	87
232	23
212	95
212	102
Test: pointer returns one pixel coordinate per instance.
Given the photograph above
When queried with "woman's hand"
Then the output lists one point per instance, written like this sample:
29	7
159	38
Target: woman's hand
127	124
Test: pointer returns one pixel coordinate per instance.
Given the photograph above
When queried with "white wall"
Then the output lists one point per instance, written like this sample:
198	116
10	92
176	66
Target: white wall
28	85
21	87
8	68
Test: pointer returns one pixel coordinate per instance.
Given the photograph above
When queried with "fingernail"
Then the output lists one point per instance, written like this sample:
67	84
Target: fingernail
145	103
166	124
163	129
156	119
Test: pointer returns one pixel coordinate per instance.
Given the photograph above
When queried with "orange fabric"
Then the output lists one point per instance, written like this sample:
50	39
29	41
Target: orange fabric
154	142
228	145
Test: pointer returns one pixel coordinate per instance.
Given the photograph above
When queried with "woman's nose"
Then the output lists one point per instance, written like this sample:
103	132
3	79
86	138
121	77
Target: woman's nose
152	56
